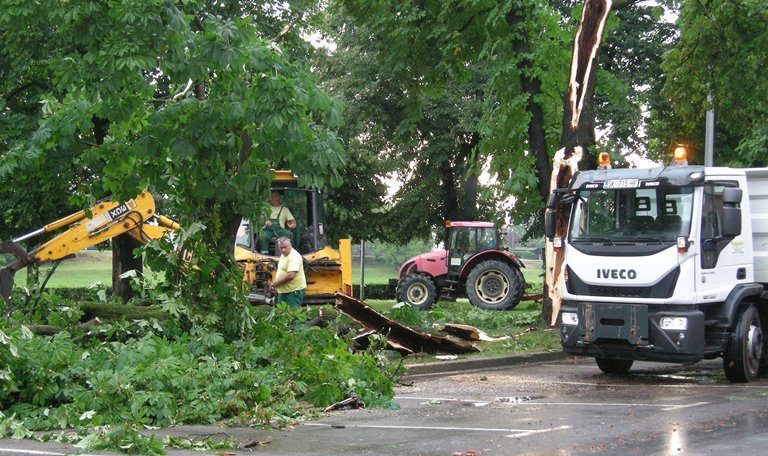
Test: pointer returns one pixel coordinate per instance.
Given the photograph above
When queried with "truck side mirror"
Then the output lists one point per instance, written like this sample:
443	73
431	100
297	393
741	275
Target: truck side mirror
553	201
731	223
550	219
731	195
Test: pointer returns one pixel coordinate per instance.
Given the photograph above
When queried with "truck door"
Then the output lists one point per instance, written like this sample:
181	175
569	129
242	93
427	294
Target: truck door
722	262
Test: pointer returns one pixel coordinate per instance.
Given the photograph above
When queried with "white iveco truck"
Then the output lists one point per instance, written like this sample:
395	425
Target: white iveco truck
664	264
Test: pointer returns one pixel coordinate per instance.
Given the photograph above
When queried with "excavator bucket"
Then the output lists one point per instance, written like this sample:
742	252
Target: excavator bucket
6	284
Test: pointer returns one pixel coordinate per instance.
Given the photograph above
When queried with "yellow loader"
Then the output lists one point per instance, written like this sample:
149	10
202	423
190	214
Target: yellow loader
328	270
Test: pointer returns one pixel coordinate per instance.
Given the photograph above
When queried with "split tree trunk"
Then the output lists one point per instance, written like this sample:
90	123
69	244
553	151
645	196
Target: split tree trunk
578	135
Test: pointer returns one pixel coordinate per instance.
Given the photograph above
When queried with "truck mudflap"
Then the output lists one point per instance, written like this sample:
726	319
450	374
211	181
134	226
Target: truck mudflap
630	331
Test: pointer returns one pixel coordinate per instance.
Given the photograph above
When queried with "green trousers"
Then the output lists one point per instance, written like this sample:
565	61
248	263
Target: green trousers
293	298
271	232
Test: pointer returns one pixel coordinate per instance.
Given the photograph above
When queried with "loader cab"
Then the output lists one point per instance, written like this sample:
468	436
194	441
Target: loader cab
465	239
306	206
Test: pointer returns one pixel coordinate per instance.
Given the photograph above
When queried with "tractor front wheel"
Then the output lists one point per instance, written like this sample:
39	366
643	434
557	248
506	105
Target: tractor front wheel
495	285
417	290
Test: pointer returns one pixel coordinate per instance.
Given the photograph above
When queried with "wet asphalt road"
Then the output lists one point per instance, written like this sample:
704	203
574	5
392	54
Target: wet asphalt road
566	407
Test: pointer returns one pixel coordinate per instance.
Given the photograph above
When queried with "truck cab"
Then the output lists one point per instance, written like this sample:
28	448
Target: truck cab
665	264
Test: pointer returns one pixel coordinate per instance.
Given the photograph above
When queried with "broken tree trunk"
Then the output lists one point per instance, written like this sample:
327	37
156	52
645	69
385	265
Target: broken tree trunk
578	135
465	332
398	333
362	341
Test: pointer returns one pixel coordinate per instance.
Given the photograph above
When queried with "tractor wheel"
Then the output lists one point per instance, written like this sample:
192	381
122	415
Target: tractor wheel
495	285
417	290
744	355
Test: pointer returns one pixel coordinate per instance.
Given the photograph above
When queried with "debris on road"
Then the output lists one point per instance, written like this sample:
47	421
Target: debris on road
255	443
350	402
398	333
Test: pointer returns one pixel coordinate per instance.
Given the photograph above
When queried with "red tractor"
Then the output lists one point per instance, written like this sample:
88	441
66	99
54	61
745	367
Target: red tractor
474	262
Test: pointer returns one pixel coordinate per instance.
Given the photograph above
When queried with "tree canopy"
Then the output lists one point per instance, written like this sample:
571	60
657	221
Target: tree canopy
194	101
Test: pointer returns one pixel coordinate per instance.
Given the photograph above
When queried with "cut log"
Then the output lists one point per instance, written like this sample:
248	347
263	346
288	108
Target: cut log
465	332
398	333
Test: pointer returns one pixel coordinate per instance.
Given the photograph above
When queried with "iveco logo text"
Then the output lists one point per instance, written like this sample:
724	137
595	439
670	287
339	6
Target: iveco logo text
616	274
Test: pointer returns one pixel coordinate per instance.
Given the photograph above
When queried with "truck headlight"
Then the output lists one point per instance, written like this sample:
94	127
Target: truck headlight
674	323
569	318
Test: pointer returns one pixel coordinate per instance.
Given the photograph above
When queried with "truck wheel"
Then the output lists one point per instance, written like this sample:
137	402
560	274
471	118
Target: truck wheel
744	354
614	366
495	285
417	290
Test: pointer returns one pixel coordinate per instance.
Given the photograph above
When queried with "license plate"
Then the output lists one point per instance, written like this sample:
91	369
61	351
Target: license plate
622	183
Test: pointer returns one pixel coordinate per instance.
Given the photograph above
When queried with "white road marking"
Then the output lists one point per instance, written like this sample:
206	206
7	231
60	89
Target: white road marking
38	452
634	385
678	407
539	431
664	407
515	432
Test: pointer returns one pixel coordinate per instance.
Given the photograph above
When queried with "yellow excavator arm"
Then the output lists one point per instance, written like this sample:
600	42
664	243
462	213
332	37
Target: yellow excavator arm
108	219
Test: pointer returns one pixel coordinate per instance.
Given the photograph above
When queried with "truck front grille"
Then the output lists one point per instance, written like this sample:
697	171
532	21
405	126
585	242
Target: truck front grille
664	288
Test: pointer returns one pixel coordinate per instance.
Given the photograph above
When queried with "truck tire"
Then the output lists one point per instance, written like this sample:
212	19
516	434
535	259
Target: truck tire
495	285
417	290
614	366
744	355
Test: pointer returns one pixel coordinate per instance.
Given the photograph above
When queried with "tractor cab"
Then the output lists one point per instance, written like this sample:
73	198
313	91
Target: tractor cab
474	265
466	239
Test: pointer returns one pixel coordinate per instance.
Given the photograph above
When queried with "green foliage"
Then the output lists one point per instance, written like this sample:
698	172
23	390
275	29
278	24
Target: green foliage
100	383
187	99
722	51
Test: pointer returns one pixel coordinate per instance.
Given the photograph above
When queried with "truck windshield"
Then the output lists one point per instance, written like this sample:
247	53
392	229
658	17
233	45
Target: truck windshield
648	215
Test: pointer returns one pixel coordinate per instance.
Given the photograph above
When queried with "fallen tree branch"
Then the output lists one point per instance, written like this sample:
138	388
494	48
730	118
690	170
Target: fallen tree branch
398	333
119	311
352	402
49	330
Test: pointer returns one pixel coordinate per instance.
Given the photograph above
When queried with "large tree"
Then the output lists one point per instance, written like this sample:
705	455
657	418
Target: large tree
722	52
192	100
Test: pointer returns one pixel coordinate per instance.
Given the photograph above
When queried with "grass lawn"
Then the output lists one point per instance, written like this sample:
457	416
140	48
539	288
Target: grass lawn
88	267
521	325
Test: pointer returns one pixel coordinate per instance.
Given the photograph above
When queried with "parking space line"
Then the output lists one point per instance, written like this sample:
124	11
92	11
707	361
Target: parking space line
664	407
515	432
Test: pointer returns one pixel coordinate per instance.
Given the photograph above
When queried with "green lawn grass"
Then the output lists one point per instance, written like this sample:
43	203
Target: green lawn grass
522	326
88	267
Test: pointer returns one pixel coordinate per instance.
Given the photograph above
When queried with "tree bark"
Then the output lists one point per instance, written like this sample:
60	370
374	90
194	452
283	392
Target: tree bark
531	85
470	187
577	137
123	260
